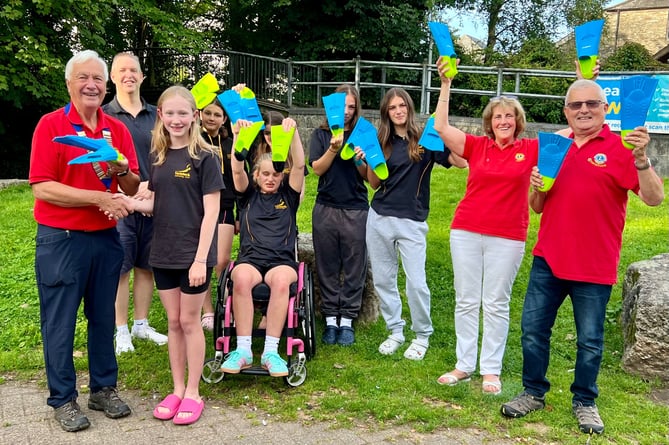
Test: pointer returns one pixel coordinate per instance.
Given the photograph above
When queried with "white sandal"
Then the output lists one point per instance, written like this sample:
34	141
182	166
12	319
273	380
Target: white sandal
207	321
390	345
416	351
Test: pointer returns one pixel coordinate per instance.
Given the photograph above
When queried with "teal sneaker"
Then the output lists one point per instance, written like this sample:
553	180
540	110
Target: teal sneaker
273	362
236	361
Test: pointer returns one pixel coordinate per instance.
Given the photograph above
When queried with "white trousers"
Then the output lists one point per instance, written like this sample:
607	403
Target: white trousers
484	269
386	237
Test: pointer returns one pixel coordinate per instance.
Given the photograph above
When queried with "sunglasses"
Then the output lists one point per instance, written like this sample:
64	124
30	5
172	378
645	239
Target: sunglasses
591	104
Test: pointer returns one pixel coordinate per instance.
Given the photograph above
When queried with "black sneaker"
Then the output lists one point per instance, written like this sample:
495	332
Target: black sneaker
523	404
107	400
588	418
70	417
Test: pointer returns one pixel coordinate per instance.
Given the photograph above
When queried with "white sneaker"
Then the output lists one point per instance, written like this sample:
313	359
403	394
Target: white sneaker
146	332
123	343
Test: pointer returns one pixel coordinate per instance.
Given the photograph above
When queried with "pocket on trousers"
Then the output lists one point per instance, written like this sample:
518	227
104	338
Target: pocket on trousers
53	257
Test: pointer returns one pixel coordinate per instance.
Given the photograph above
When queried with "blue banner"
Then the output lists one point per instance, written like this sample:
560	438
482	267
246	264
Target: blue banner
657	120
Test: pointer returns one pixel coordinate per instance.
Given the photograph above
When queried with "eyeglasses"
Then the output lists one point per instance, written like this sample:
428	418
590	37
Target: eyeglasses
504	96
591	104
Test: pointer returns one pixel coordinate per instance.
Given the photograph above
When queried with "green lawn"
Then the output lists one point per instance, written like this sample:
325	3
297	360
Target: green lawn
356	385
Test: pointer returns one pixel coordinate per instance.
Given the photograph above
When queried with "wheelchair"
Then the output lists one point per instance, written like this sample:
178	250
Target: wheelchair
299	331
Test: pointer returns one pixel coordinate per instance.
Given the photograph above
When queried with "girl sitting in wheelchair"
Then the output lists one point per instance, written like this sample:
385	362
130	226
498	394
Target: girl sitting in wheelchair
268	231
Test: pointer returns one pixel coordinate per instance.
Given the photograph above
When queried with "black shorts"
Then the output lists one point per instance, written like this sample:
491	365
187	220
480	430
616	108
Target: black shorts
171	278
263	268
227	216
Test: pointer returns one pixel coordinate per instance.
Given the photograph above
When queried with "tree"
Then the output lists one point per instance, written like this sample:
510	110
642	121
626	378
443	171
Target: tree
509	23
42	35
327	30
632	56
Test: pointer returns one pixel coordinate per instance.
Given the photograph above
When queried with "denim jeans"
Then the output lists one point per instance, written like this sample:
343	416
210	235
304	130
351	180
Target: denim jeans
545	294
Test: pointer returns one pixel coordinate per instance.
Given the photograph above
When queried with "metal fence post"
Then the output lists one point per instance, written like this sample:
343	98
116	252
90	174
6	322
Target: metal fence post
289	100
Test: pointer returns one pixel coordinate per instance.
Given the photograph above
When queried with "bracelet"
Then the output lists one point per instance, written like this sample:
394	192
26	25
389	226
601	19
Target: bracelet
443	100
127	170
358	162
643	167
200	261
333	151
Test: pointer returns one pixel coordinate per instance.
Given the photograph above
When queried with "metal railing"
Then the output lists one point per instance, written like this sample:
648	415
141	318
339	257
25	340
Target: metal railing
285	84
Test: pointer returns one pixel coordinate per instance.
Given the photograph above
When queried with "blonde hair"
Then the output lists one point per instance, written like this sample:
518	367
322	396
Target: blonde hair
504	102
160	141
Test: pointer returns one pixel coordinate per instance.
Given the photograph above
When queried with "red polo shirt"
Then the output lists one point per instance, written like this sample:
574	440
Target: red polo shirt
48	162
580	235
496	198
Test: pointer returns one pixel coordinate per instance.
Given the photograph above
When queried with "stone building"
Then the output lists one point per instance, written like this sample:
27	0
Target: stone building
642	21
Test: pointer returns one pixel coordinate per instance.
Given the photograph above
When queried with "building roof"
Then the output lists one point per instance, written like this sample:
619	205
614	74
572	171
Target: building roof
639	4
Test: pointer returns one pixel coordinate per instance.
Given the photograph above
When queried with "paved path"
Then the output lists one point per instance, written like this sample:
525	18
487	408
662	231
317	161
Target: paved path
26	419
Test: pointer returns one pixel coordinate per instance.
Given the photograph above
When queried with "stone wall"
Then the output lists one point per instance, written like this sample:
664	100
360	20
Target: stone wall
645	318
308	119
647	27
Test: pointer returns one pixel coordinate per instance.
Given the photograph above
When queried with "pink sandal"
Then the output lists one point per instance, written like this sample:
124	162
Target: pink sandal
171	403
188	406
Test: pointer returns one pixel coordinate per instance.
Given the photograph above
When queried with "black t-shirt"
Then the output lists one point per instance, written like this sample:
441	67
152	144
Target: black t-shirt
179	185
268	229
224	149
406	192
341	186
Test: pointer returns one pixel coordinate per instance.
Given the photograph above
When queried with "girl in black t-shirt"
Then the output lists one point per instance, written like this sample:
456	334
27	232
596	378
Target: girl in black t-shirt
268	233
186	182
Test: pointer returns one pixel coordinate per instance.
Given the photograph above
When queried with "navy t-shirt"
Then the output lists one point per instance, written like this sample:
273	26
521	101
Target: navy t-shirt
341	186
179	185
406	192
140	128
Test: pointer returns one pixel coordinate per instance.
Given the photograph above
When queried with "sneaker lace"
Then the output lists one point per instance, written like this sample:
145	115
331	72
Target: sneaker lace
111	394
72	410
273	359
588	415
525	402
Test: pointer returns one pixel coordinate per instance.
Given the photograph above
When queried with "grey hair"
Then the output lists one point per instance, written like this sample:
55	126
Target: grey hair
82	57
582	84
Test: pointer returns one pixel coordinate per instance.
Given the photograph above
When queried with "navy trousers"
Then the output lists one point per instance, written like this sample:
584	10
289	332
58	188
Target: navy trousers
72	266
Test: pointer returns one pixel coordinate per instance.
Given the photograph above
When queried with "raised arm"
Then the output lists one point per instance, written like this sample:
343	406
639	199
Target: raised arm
239	177
296	175
454	138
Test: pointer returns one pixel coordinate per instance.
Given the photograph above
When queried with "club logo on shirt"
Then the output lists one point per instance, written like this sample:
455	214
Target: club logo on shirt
598	160
520	157
281	205
184	174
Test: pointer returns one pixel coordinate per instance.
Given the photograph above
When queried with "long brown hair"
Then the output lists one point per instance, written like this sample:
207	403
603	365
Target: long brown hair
387	129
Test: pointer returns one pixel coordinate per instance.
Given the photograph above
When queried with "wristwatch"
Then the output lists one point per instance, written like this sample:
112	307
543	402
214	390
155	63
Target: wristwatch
127	170
646	166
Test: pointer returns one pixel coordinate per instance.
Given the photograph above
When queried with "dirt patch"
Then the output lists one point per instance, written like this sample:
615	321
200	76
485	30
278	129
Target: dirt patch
660	395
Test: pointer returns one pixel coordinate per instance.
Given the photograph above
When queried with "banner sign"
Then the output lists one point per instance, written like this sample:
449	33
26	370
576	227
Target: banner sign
657	120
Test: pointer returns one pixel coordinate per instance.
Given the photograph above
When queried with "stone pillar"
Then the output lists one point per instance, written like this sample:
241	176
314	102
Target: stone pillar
645	318
369	312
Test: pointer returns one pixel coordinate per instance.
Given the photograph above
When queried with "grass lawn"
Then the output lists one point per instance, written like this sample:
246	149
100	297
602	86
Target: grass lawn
356	385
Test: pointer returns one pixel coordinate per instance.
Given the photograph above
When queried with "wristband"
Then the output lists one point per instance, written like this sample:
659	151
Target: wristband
646	166
127	170
358	162
200	261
